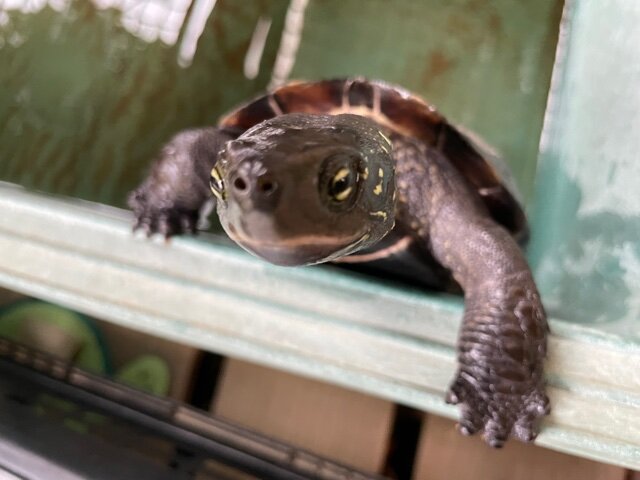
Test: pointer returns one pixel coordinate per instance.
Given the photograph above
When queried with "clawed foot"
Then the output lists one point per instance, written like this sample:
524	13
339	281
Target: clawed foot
167	221
501	415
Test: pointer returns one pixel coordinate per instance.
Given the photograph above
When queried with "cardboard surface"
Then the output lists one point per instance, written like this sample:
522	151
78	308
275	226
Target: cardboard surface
444	454
126	345
343	425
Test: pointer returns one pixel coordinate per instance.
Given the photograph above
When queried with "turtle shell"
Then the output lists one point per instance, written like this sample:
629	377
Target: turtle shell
405	113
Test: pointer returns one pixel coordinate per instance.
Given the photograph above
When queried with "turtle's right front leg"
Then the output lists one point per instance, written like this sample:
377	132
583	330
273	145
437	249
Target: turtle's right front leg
169	200
499	384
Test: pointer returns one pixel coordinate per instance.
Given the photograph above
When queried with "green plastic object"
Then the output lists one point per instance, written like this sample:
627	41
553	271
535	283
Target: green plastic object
74	330
148	373
30	321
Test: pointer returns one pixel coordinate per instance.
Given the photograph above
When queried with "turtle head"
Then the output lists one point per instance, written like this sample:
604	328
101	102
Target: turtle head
301	189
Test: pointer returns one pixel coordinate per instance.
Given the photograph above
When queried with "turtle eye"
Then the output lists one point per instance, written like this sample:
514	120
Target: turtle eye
342	184
339	181
216	184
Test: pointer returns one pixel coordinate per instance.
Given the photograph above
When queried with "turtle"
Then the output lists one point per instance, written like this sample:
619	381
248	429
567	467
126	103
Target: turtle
355	170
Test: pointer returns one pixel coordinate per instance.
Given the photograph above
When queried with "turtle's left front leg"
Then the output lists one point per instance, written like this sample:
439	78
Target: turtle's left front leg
502	342
169	200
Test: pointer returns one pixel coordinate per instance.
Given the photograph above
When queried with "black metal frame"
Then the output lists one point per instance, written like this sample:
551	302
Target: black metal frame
33	448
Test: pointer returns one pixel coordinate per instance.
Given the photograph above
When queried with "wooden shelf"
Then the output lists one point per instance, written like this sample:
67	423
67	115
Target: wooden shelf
381	339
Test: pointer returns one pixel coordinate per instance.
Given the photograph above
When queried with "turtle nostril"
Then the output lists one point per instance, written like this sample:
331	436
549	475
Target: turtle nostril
240	184
266	186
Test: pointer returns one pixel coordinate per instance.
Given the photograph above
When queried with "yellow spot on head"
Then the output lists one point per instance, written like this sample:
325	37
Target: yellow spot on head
380	172
216	184
380	213
386	139
365	174
378	189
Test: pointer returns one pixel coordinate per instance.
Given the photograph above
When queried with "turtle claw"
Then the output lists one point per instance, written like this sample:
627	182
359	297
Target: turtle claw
469	422
143	225
498	415
168	221
525	430
496	432
452	397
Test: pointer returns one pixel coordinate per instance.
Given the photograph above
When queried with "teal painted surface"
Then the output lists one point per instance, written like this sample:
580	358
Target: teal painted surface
485	64
339	327
586	243
88	95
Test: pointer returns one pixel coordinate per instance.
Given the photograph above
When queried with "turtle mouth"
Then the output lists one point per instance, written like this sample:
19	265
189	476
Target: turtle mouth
299	250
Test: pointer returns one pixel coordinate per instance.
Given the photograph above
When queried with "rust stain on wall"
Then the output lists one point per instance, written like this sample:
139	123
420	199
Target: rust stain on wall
437	64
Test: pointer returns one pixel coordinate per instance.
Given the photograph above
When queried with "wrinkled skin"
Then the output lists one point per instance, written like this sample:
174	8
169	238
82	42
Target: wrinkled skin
502	344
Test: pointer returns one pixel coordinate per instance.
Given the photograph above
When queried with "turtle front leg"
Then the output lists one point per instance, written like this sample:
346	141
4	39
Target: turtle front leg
502	343
169	200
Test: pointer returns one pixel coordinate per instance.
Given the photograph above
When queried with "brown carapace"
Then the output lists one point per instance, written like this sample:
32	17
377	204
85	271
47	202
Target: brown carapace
360	171
401	112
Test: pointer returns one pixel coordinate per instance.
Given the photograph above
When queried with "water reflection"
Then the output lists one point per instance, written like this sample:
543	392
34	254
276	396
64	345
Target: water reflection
201	12
85	104
33	6
589	261
149	20
166	20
